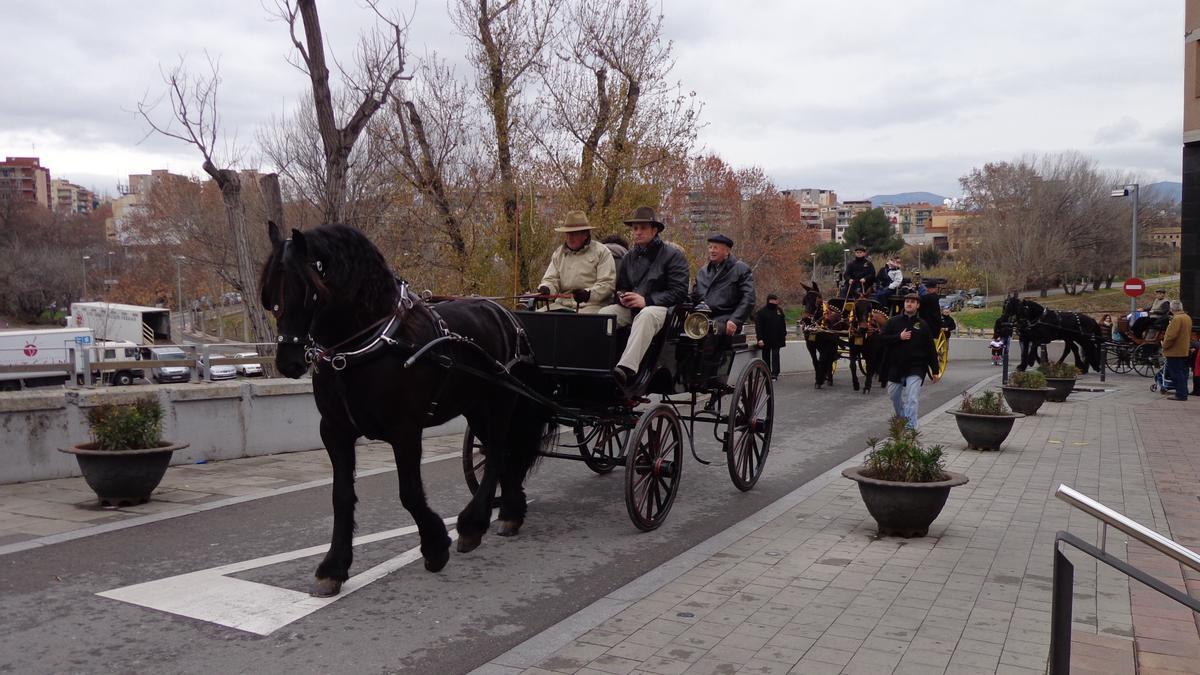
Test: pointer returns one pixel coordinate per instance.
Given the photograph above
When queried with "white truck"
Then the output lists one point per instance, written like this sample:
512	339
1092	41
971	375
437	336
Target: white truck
27	358
143	326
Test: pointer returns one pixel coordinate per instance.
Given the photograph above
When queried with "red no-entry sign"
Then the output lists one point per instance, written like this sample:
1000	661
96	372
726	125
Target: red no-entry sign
1134	287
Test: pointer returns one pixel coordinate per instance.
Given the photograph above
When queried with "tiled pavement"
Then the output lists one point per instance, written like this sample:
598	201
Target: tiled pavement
807	587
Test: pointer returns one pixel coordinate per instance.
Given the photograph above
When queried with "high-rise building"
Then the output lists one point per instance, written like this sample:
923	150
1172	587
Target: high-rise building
25	179
71	198
1189	236
133	195
816	196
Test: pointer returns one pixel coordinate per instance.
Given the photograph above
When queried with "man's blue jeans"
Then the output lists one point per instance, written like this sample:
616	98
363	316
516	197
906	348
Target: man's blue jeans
906	398
1177	370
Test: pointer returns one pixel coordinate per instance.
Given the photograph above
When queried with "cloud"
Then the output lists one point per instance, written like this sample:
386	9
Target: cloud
1120	131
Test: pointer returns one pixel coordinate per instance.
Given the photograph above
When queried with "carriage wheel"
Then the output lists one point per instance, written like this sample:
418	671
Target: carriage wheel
474	459
608	445
942	346
1147	359
1117	359
751	418
653	466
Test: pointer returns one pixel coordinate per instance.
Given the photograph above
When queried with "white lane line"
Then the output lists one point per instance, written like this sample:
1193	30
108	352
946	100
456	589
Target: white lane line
209	595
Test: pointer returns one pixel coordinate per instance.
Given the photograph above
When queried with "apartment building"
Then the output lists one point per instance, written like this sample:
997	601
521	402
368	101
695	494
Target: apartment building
25	179
1189	239
817	196
72	198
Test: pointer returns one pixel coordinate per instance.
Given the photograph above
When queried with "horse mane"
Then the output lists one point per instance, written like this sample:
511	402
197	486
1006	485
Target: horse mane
353	270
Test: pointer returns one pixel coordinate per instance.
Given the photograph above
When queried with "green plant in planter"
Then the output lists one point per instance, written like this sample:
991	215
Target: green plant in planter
984	403
901	457
126	426
1059	370
1029	379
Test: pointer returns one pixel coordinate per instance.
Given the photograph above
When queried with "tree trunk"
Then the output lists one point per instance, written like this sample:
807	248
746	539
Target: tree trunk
235	216
620	141
591	145
273	198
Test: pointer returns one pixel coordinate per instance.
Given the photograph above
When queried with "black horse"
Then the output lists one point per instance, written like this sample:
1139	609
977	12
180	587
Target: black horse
385	366
865	326
823	347
1038	326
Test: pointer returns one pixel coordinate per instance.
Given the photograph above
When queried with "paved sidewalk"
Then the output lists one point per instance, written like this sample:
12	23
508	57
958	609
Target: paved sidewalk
807	587
49	511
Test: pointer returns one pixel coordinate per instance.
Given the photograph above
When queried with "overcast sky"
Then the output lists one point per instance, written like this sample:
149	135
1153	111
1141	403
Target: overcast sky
863	97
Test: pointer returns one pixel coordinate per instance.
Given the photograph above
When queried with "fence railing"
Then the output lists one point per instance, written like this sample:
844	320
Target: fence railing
82	369
1062	592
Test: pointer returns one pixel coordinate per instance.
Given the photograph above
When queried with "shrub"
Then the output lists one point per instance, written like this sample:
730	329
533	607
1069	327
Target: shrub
901	457
1060	370
1029	379
126	427
984	403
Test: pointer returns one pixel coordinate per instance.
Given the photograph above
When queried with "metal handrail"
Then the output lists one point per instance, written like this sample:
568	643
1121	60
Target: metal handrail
1133	528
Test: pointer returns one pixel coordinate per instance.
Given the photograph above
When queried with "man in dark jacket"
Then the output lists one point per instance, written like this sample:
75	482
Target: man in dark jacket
860	274
726	285
908	353
770	325
652	278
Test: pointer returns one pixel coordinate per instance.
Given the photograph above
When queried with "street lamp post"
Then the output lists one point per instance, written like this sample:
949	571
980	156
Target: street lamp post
921	255
85	259
1126	191
178	285
814	265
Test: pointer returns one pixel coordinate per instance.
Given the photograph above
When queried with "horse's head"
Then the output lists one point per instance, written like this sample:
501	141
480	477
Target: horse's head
292	290
1030	310
811	300
1011	308
867	319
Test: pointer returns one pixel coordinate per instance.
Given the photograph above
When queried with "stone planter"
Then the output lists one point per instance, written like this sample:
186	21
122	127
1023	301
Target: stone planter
1025	401
903	509
984	432
1060	388
123	477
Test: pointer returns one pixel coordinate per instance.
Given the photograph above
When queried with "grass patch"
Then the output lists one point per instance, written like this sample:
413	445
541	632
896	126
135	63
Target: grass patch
978	318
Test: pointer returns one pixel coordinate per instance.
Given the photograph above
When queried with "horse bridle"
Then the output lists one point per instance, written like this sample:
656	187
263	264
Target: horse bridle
282	338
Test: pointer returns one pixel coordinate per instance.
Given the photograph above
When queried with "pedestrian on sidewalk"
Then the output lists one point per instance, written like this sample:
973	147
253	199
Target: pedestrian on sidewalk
908	354
1175	345
770	326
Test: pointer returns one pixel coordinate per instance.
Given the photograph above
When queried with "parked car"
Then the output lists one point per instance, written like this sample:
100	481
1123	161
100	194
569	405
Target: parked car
953	302
971	292
249	369
219	371
162	374
977	302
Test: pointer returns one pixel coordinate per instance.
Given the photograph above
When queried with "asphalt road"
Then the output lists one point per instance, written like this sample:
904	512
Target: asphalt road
577	545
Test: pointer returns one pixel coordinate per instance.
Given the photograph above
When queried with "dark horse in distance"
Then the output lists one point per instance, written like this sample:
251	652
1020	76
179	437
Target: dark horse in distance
1037	326
385	366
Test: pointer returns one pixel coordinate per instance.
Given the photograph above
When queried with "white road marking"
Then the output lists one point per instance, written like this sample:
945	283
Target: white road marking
210	595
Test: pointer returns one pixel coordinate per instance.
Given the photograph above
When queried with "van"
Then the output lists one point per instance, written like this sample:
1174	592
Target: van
163	374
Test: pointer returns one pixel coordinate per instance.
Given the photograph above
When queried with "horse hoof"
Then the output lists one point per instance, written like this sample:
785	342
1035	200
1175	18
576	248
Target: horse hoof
437	562
466	543
508	528
325	588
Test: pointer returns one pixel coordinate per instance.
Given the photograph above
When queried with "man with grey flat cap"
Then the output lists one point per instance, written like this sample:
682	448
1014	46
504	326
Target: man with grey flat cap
726	286
652	278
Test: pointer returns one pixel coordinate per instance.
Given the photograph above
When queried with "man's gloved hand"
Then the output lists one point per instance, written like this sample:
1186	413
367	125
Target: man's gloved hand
544	290
581	295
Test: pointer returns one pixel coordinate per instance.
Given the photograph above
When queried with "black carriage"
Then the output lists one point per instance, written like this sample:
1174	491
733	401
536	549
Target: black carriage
687	366
1125	350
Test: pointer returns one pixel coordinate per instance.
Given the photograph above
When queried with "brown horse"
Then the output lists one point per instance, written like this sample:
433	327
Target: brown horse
866	322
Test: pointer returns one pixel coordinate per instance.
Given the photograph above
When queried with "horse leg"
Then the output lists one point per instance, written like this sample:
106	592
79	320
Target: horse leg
475	517
435	542
335	567
854	363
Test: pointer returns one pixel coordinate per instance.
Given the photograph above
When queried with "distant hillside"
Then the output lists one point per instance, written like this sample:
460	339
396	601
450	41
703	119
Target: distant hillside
907	198
1165	190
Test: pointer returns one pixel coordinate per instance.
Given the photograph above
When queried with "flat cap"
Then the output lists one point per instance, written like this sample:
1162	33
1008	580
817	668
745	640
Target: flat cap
721	239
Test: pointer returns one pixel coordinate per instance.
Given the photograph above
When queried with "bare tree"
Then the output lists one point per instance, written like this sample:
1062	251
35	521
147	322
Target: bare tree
379	66
507	43
195	120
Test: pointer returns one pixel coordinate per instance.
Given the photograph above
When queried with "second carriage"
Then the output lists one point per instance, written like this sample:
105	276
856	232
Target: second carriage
687	366
1129	350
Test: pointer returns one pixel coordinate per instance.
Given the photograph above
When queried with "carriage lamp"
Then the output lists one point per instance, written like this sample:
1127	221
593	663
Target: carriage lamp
697	325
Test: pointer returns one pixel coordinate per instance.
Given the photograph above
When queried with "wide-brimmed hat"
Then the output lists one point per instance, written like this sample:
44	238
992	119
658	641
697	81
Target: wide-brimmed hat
575	221
645	214
721	239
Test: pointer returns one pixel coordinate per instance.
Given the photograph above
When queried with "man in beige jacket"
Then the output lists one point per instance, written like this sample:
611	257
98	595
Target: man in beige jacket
1175	345
582	267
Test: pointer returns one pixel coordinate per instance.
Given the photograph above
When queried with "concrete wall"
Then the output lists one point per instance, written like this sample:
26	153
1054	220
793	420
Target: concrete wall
223	420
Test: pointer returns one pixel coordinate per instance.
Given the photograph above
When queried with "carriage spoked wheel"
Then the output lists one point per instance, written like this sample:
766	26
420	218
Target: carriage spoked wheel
474	459
653	466
751	417
1147	359
1118	360
942	346
608	445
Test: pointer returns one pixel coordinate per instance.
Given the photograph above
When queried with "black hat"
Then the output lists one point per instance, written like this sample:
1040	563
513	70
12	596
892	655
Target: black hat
772	296
645	214
912	296
860	247
721	239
